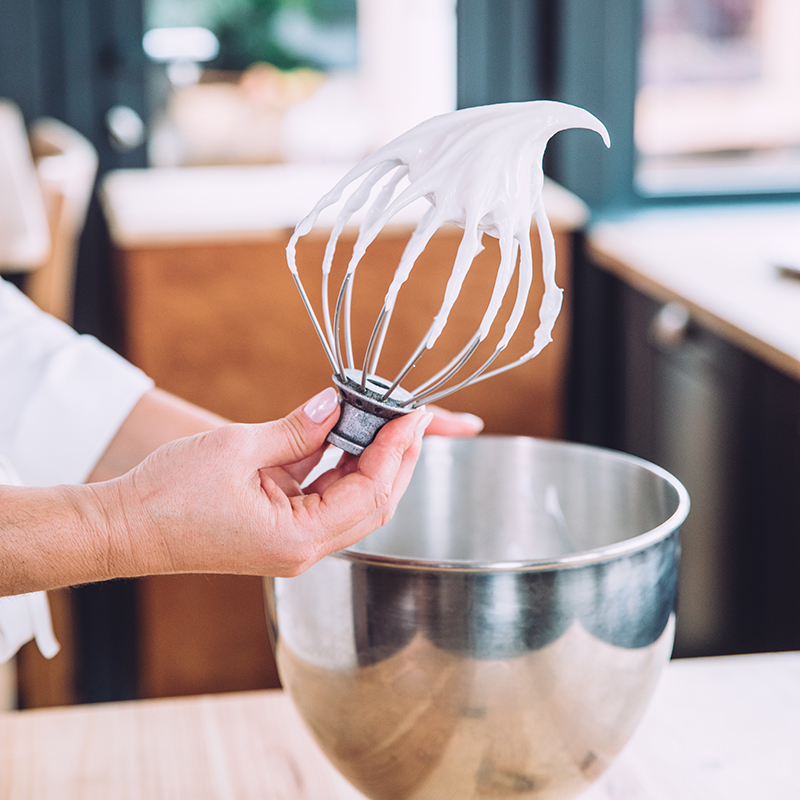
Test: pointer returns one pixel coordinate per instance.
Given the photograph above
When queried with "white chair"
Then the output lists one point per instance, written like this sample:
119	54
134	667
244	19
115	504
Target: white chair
46	183
66	164
24	230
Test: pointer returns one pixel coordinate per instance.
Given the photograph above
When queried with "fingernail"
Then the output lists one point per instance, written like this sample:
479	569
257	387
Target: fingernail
423	423
472	420
320	407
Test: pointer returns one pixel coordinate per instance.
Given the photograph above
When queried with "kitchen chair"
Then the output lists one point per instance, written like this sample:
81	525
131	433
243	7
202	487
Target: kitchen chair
66	165
24	232
46	182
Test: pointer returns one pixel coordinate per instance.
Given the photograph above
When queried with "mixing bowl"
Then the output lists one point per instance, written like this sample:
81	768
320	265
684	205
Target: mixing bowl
501	636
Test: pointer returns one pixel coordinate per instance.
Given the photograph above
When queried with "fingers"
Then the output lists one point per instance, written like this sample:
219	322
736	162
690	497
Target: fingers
225	501
300	470
355	503
449	423
348	463
294	442
321	406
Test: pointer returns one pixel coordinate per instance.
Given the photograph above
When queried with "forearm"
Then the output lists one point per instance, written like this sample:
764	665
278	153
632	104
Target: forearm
66	535
52	536
156	419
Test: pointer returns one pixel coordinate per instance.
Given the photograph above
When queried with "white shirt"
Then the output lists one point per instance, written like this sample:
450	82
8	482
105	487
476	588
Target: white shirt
62	399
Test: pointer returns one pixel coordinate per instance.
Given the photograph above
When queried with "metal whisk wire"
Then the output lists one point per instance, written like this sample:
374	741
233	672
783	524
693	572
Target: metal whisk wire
452	162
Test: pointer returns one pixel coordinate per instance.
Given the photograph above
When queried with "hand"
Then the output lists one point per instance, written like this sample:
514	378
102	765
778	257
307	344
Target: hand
226	500
229	500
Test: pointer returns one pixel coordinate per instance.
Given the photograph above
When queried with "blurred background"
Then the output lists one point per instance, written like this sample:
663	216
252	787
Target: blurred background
697	95
217	123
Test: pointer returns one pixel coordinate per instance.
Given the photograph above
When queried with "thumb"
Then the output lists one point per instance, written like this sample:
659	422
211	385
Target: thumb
302	433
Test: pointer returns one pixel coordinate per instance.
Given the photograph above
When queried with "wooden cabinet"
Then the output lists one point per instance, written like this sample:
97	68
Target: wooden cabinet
213	315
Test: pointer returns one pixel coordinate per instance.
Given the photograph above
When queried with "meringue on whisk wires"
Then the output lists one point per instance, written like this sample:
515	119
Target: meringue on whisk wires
480	168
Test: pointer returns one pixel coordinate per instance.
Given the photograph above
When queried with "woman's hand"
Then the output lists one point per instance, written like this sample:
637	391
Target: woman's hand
230	500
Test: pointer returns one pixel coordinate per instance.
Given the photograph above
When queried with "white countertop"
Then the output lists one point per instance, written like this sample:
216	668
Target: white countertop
195	205
721	262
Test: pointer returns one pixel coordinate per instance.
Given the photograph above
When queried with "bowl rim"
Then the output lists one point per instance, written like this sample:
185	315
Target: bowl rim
581	558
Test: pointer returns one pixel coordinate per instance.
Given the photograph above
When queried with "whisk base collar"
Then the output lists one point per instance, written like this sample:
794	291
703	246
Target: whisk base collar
363	413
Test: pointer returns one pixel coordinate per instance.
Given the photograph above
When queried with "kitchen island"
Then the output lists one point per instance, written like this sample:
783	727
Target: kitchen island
718	729
212	314
695	321
730	265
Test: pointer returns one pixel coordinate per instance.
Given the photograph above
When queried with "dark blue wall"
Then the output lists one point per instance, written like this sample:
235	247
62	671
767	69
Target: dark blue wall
73	60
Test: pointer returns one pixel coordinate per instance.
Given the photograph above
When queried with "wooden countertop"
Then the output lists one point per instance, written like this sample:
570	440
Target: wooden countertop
194	205
721	262
719	728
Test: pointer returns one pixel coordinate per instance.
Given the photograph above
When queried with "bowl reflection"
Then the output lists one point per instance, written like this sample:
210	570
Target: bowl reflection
501	636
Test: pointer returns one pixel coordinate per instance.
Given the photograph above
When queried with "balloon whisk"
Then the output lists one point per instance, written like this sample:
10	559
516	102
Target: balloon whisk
480	168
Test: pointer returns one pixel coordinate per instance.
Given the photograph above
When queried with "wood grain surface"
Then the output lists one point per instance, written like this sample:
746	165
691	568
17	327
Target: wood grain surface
222	325
718	729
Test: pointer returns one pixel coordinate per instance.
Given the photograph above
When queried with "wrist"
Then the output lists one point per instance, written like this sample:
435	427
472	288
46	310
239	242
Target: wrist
116	515
96	533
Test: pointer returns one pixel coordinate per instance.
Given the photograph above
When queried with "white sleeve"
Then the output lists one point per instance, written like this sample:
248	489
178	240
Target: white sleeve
62	399
62	396
24	617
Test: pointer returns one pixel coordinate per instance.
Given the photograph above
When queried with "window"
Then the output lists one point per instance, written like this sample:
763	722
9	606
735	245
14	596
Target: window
718	101
294	80
701	98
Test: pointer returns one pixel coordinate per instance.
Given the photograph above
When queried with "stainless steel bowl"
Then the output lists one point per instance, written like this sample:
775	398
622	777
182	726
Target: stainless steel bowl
501	636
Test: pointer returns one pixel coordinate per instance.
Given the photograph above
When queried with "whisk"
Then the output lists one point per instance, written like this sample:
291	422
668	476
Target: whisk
480	168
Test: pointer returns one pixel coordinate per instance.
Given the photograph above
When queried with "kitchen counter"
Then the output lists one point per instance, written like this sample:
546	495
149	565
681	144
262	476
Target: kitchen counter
211	313
717	728
722	264
197	205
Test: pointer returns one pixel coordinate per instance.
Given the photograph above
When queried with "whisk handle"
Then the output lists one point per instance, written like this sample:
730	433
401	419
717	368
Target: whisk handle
362	415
